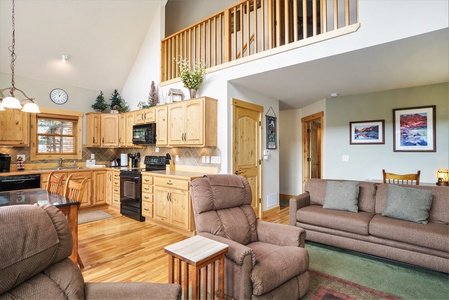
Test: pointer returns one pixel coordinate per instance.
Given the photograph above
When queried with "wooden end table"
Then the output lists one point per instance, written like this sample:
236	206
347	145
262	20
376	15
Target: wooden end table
197	253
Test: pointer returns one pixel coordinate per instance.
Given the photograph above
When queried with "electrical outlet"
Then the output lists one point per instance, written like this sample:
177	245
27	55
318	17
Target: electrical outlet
176	158
21	156
345	158
216	160
203	159
207	159
156	150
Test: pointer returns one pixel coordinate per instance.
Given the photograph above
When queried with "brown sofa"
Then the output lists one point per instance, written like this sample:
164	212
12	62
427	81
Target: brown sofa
371	229
35	242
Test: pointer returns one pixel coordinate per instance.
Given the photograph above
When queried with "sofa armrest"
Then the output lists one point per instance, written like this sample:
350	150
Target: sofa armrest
236	251
280	234
132	290
296	203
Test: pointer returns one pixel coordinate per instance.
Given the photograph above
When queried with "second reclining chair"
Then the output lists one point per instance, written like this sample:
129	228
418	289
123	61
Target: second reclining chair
265	260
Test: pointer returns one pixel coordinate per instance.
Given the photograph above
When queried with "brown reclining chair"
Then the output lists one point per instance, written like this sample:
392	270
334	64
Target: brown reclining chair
35	242
265	260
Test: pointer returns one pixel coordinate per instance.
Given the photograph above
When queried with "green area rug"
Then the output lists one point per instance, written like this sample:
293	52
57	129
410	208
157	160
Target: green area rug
370	275
91	216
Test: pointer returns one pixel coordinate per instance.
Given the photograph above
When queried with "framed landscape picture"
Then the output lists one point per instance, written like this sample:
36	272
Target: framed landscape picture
414	129
367	132
271	132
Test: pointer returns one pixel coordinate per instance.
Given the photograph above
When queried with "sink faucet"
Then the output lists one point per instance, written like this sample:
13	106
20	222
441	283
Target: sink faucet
60	162
74	163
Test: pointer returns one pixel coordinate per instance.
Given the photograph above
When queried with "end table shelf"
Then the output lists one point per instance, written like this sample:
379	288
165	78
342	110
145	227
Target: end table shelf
197	253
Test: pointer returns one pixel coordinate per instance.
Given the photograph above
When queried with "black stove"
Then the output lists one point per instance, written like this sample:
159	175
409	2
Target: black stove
156	163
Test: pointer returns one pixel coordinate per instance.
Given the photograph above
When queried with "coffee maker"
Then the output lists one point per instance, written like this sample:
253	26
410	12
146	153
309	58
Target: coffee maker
5	162
135	158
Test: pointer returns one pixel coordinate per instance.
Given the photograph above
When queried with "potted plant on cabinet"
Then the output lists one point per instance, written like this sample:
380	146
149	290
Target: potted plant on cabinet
191	78
116	102
100	103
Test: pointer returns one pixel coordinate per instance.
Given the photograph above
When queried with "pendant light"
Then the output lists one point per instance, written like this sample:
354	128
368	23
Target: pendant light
11	101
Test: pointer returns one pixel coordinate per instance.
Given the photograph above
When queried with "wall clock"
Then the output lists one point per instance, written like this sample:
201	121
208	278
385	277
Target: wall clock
59	96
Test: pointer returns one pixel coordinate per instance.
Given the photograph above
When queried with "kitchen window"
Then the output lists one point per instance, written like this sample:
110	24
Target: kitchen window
56	134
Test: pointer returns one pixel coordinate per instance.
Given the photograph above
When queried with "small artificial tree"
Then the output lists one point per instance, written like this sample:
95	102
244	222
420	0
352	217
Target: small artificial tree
124	107
152	98
116	100
100	103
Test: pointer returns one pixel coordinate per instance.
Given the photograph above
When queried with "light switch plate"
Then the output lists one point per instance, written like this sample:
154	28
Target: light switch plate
216	159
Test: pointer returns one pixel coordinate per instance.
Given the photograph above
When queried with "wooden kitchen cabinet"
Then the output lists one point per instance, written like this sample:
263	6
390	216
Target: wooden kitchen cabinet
172	202
161	126
145	116
99	184
115	189
126	123
14	126
147	196
108	189
102	130
193	123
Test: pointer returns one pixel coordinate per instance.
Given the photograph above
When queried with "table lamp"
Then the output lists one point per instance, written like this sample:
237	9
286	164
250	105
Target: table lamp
442	176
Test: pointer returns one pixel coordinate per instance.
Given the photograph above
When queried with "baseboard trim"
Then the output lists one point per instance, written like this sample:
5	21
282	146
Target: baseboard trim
274	210
286	196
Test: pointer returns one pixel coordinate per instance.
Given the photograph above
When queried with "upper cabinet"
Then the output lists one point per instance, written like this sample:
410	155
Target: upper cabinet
14	126
193	123
102	130
161	126
126	123
145	116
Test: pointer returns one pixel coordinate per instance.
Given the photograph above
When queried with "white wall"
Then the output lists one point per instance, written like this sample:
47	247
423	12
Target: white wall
147	65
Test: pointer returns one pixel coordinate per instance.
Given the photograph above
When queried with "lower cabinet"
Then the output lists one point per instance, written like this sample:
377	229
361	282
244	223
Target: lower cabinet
172	202
115	190
147	196
99	190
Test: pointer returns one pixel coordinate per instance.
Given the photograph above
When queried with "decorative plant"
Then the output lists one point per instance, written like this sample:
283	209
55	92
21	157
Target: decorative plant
116	100
152	98
124	107
100	103
191	79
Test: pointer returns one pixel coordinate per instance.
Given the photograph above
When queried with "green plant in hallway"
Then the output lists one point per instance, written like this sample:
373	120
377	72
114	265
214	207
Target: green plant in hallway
100	103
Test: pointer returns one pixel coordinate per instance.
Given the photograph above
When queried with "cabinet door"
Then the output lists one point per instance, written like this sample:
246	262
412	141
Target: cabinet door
99	187
129	129
109	187
176	124
93	130
161	204
149	115
194	122
139	117
14	126
179	201
109	130
122	130
161	126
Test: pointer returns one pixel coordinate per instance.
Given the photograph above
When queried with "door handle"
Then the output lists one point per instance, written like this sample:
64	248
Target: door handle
237	172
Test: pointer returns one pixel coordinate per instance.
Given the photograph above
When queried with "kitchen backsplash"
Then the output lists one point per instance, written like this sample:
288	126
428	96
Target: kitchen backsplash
187	156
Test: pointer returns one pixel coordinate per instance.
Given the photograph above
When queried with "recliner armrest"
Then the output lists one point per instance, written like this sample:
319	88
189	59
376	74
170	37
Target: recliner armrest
280	234
236	252
131	290
296	203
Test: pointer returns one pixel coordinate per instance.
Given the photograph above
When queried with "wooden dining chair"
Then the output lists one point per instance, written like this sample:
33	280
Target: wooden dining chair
412	179
55	183
74	190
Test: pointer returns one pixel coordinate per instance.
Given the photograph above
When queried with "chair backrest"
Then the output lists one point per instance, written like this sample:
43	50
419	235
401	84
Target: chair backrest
55	183
74	188
33	238
222	206
412	179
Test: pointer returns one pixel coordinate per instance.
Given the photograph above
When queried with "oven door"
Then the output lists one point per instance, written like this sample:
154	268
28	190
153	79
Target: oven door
130	195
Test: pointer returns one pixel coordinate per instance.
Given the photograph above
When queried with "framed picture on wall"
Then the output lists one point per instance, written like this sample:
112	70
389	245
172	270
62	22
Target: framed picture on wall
367	132
271	132
414	129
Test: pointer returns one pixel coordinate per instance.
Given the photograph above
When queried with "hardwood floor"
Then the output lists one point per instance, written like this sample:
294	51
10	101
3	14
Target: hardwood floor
122	249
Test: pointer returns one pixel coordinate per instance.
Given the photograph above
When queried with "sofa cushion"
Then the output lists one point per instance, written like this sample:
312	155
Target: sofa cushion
408	204
317	191
439	213
432	235
276	265
342	195
335	219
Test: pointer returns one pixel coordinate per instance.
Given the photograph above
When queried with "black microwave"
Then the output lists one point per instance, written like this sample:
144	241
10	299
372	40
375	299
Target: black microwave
144	134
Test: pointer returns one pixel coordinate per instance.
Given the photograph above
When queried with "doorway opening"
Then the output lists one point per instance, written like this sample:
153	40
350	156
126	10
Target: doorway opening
312	136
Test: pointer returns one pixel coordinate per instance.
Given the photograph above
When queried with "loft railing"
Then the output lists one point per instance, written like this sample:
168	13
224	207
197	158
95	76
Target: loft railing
253	26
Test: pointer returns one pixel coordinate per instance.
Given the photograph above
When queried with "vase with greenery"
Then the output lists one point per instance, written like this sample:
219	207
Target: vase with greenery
191	78
100	103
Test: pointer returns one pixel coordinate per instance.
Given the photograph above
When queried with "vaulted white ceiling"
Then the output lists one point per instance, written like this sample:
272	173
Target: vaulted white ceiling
102	37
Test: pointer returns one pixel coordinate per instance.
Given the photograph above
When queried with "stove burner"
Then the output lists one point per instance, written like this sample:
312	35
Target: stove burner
155	163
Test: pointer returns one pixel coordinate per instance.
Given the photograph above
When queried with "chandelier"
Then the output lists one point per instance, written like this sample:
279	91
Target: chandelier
11	101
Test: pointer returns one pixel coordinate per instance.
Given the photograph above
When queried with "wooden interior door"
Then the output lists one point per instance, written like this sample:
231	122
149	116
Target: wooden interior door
246	134
312	132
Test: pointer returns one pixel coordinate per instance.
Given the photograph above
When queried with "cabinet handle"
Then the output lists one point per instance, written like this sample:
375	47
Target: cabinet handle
102	140
93	140
169	183
146	189
146	209
169	197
